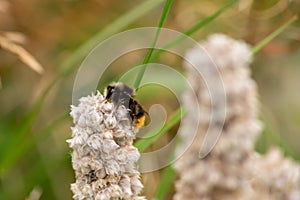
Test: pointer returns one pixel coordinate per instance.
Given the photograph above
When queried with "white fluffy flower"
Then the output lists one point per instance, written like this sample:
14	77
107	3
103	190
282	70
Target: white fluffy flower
103	156
231	170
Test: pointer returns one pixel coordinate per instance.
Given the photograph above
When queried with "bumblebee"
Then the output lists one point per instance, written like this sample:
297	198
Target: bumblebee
120	93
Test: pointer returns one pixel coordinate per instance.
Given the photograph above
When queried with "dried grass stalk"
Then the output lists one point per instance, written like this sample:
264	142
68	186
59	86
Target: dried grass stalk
7	42
35	194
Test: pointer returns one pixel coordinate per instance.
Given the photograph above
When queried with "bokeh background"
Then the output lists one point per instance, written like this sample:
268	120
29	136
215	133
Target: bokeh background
34	120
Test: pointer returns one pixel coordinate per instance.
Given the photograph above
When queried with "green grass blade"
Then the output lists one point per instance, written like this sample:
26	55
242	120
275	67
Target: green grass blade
195	28
274	34
142	144
114	27
150	51
44	133
210	18
165	184
273	138
12	151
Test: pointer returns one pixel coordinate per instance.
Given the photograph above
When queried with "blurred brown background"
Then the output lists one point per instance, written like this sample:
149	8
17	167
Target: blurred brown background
51	30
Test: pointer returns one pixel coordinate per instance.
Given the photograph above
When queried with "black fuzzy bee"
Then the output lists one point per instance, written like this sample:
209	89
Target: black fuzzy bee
120	93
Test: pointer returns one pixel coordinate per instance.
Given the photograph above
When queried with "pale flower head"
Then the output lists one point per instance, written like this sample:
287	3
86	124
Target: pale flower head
103	156
232	170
